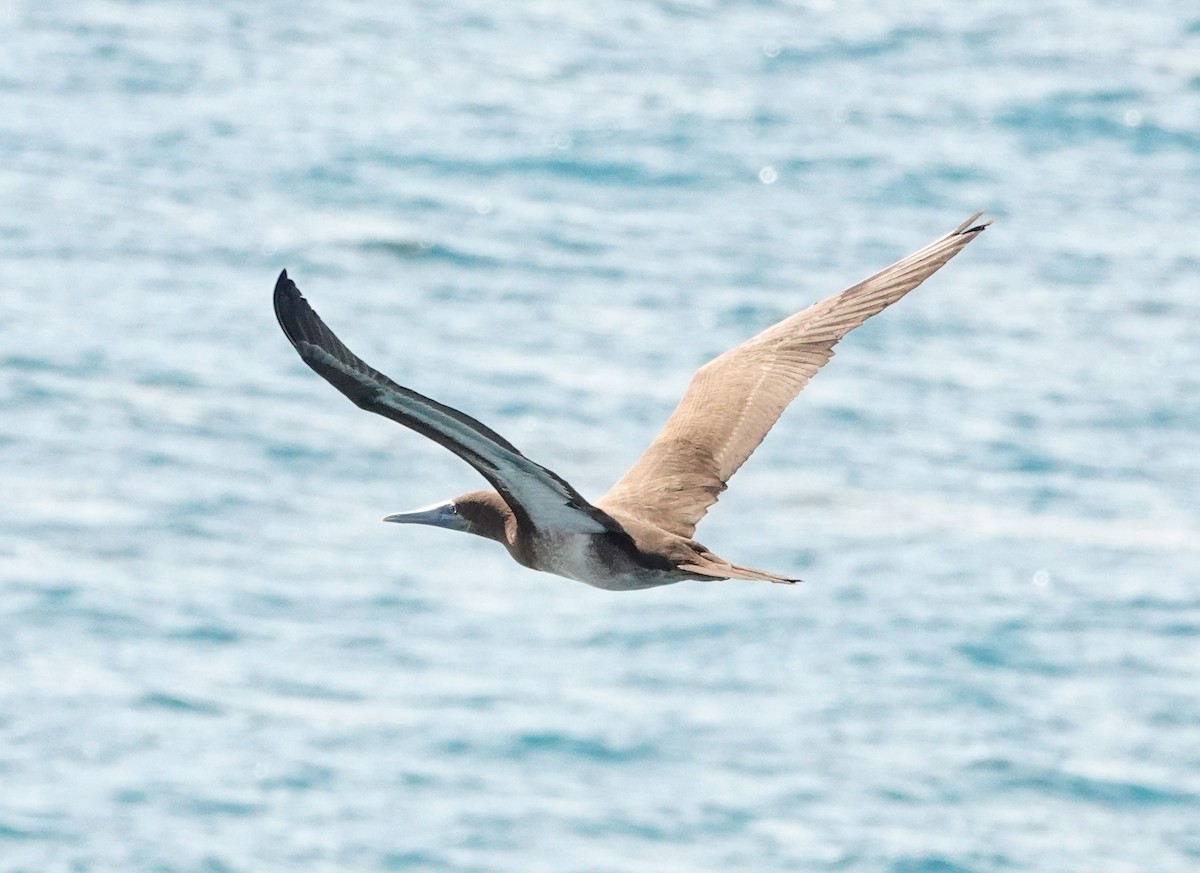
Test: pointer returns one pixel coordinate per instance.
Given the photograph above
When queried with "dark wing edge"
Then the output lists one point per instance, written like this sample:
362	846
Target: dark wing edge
306	331
537	494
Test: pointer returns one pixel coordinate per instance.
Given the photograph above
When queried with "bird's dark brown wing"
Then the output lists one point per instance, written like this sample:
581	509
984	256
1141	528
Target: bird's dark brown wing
536	495
735	399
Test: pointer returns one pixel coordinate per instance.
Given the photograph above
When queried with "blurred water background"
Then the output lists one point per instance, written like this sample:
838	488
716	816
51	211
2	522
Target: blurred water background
214	657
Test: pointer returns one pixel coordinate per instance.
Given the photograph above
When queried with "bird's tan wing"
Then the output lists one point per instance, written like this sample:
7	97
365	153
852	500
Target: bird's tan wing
735	399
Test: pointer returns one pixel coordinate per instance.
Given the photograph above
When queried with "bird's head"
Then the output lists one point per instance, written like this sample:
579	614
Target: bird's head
483	513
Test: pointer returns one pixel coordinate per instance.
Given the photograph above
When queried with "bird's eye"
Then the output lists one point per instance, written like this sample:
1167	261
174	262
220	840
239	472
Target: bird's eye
453	509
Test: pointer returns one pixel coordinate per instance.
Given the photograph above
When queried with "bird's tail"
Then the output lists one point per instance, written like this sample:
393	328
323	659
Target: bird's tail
726	570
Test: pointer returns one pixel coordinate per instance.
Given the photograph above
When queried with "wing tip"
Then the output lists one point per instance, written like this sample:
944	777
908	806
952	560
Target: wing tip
297	319
285	287
970	227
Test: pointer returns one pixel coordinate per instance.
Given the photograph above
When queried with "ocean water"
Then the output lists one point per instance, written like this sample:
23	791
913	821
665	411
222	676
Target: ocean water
214	657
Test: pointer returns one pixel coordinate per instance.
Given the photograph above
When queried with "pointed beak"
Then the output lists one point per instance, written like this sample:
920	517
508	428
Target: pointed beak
439	515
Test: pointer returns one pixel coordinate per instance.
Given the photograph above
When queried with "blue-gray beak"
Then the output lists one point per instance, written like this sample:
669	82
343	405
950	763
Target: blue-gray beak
439	515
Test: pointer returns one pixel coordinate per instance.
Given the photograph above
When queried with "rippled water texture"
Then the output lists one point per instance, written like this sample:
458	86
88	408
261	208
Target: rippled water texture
213	657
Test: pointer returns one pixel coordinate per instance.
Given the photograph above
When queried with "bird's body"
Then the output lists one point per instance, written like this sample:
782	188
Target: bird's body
639	534
600	560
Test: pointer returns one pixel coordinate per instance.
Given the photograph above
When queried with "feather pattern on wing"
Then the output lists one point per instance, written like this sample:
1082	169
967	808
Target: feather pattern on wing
733	401
537	496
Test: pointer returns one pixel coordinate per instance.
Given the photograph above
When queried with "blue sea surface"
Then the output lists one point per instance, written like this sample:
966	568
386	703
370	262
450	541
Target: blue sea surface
214	658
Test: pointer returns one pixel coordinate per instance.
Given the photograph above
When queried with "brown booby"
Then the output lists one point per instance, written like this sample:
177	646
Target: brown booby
639	534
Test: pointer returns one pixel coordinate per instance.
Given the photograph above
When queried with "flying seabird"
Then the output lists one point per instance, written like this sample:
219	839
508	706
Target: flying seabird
639	534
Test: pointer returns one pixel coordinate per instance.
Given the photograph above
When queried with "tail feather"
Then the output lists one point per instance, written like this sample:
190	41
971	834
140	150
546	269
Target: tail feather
726	570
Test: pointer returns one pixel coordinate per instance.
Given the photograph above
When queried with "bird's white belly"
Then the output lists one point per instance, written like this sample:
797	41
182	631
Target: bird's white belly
575	556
